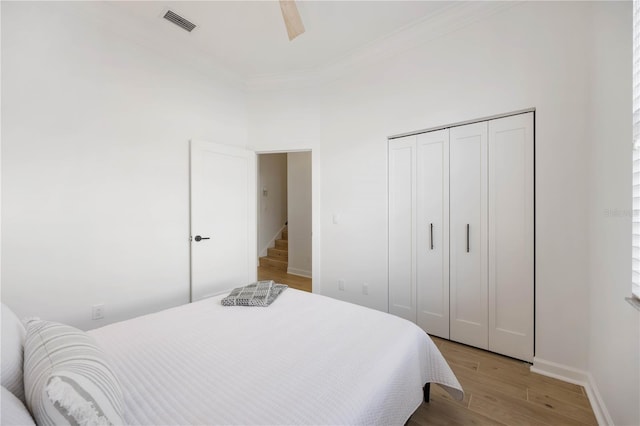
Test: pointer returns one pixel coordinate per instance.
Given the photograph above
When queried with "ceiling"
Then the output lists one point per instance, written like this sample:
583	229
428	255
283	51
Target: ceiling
249	39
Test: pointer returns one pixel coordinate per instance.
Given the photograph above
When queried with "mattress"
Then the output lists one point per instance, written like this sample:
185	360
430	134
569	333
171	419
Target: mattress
306	359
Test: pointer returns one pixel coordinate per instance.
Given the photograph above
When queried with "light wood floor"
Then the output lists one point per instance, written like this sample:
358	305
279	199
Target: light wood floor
293	281
501	390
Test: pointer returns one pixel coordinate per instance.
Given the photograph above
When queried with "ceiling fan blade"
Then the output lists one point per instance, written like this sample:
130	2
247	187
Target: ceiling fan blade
291	18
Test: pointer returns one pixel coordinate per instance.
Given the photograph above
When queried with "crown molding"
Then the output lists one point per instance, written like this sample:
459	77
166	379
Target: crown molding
445	21
449	19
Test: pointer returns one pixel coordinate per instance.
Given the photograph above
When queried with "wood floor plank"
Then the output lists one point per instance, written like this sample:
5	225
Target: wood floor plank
559	392
479	354
564	391
514	411
506	414
293	281
480	382
444	412
540	381
505	366
581	414
460	360
501	390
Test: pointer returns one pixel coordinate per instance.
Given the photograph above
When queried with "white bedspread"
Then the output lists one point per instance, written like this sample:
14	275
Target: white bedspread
306	359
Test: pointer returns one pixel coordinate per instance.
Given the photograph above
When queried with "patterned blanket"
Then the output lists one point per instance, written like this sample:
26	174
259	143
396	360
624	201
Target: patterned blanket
262	293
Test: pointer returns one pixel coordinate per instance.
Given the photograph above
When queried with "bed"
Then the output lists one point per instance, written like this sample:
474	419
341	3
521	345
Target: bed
306	359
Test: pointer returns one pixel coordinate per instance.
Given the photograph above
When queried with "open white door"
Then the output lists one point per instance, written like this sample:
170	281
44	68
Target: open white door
223	218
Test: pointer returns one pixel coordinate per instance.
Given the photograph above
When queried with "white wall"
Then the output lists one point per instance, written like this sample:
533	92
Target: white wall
272	176
614	344
289	120
471	73
299	213
95	163
571	61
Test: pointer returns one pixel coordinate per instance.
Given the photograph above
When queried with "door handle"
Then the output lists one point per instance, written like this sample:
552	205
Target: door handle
467	238
198	238
431	235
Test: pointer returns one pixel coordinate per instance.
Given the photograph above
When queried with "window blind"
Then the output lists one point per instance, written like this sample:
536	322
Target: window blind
636	152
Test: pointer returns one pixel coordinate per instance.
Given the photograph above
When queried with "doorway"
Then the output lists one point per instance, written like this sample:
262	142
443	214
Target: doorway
284	218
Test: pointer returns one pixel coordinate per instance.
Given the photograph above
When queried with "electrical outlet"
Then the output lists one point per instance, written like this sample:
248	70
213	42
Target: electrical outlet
341	285
97	312
365	289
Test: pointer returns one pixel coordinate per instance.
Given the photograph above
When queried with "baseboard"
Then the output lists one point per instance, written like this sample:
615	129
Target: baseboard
299	272
577	377
559	371
271	243
597	403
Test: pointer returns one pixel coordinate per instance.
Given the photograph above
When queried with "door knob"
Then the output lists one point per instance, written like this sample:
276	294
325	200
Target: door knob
198	238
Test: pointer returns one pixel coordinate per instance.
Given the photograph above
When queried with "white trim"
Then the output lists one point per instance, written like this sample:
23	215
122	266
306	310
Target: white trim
271	243
635	156
464	123
635	290
597	403
559	371
299	272
445	21
577	377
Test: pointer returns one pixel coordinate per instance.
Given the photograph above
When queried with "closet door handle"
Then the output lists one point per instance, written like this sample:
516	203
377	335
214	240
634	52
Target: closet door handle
431	235
467	238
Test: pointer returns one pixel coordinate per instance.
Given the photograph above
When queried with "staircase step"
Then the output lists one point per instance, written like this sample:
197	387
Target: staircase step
278	253
282	244
270	262
285	234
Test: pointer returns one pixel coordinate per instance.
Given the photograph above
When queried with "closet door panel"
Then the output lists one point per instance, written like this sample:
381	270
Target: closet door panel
432	232
468	235
402	195
511	236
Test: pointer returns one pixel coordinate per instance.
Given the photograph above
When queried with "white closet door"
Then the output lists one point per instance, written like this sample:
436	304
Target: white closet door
432	232
402	195
511	236
468	230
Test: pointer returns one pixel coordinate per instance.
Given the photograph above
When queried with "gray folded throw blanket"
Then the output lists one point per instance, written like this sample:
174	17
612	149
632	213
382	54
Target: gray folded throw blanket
262	293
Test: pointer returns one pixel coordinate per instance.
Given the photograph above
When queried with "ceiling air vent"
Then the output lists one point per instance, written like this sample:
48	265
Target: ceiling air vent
179	20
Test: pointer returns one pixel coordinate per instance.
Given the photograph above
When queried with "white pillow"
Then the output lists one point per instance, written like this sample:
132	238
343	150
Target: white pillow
68	379
14	412
13	334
